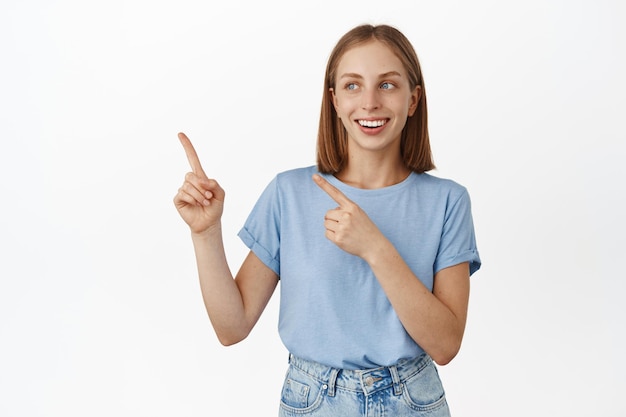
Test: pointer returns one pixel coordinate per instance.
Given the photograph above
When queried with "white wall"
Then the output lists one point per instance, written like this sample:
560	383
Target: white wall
100	309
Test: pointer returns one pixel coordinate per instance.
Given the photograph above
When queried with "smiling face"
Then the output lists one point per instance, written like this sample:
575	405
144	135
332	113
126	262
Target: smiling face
373	97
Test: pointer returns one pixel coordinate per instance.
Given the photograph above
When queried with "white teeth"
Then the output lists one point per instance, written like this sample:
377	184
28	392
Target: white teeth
372	123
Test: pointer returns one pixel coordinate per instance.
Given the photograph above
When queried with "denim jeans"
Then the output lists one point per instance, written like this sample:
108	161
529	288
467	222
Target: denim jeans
409	388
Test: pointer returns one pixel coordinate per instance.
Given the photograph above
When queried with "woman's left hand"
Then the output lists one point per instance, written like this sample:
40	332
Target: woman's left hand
348	226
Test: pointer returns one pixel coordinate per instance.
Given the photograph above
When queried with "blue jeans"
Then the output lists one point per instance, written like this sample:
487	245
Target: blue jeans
409	388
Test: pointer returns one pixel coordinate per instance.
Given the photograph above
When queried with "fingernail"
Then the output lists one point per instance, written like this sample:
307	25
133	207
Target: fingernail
206	202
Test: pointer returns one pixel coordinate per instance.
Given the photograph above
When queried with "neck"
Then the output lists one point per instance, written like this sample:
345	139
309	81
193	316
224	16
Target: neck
373	173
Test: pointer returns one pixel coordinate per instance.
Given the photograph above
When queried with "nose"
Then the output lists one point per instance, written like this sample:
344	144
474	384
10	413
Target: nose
370	99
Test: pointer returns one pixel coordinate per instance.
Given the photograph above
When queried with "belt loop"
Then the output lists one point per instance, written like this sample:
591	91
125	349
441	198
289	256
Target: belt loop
395	377
332	381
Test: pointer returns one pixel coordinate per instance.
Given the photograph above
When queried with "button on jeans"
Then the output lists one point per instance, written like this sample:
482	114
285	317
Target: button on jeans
409	388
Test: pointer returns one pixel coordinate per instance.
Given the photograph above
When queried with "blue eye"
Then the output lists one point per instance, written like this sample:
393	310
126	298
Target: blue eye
351	86
387	86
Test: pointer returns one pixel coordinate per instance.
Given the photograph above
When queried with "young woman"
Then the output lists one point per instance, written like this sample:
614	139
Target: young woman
373	254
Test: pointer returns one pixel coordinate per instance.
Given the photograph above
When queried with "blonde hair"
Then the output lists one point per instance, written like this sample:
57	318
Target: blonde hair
332	143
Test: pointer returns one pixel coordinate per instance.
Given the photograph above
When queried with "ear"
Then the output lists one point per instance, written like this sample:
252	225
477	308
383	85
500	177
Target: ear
333	97
414	100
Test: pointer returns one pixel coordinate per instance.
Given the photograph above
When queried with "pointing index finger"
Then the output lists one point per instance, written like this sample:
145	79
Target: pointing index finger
332	191
192	156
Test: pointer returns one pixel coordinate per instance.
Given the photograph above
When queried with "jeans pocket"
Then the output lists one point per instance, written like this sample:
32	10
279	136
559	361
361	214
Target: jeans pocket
301	392
424	391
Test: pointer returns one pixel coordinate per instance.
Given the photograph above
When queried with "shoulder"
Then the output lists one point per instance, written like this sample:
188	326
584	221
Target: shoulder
296	174
296	177
291	182
440	186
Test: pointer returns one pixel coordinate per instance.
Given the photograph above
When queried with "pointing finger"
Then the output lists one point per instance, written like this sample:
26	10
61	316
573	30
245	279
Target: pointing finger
192	156
332	191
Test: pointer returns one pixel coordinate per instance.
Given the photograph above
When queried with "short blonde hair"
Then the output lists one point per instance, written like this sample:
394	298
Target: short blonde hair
332	144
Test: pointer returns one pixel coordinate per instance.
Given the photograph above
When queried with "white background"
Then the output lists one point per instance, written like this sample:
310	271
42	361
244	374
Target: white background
100	308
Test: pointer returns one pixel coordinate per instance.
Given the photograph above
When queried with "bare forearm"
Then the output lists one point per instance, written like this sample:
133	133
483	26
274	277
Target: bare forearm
427	319
222	298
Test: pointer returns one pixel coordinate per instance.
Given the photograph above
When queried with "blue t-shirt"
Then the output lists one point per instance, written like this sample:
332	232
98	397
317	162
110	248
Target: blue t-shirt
332	308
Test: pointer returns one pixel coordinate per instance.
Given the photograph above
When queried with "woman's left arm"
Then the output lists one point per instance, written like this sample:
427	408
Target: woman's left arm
435	320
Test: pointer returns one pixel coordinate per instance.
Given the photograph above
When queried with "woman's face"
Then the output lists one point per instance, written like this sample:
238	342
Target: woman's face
373	97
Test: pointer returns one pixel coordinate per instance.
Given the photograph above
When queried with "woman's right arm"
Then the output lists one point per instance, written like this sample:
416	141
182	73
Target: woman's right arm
234	305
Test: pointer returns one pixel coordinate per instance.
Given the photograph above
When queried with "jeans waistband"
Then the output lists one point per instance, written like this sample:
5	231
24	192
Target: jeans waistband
367	381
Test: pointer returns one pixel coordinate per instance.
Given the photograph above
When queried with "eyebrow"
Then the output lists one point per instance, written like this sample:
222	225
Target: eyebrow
359	76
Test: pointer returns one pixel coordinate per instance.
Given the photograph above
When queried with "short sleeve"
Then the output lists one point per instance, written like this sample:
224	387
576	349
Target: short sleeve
261	231
458	240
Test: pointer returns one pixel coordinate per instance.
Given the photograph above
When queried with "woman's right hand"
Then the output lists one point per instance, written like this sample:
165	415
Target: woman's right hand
200	200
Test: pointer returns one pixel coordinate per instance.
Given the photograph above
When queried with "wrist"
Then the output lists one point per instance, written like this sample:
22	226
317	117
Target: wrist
378	251
208	233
